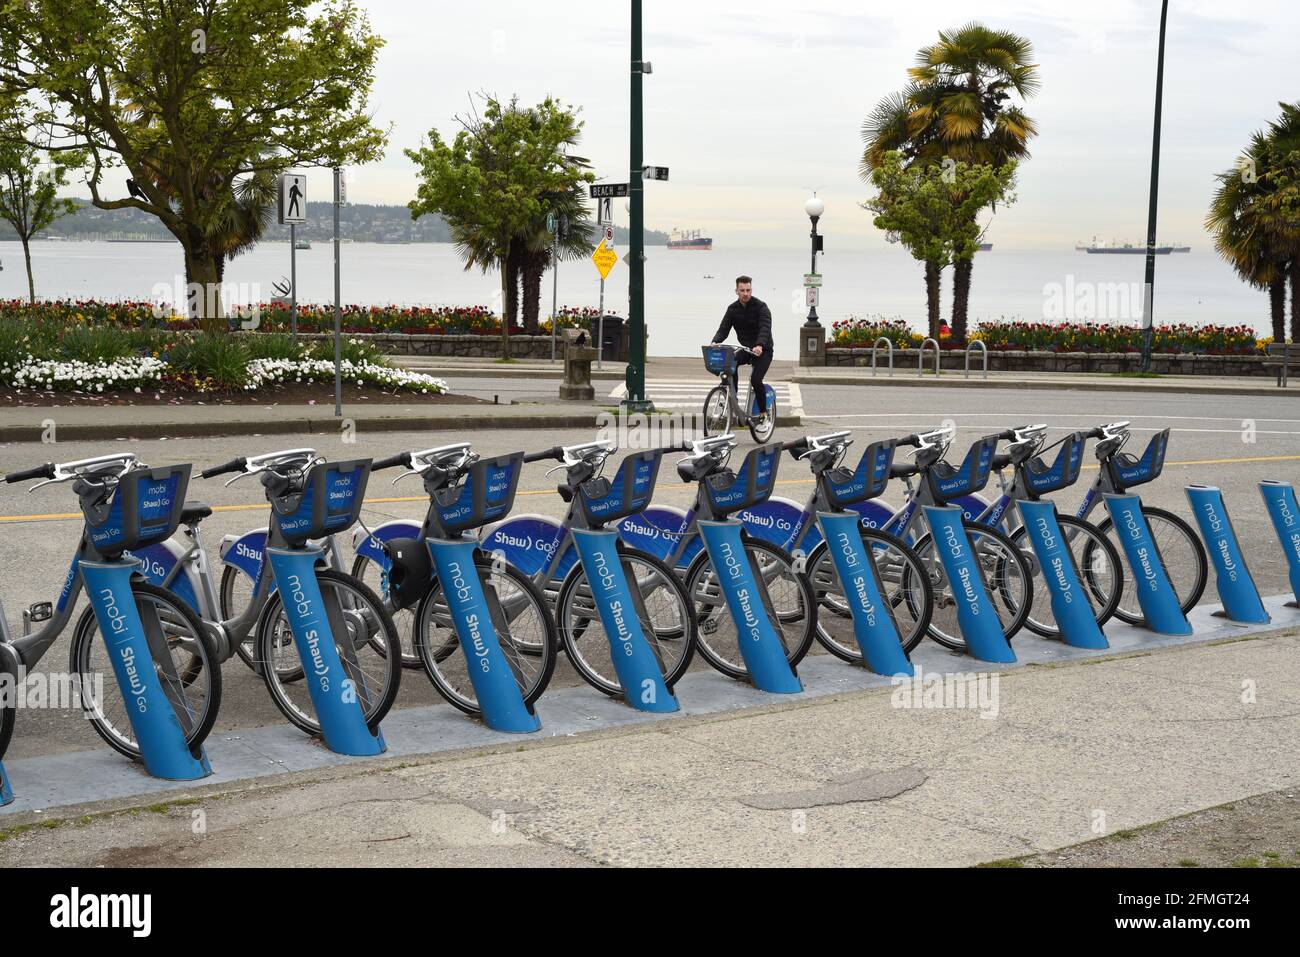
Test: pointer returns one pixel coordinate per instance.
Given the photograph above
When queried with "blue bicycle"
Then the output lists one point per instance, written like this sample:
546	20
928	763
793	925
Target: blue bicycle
127	506
544	550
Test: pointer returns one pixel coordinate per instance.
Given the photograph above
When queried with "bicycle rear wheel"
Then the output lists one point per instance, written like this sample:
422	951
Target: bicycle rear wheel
361	627
187	669
1181	554
8	712
662	608
1097	564
792	609
897	569
524	629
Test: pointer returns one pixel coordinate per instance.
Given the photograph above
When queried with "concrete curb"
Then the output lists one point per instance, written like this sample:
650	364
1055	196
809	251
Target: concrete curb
299	424
1069	385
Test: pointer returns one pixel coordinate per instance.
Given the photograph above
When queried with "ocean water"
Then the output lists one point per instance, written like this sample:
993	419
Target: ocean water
686	291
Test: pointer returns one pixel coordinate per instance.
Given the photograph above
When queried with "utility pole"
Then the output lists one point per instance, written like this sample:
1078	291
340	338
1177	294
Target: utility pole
636	400
338	308
1148	298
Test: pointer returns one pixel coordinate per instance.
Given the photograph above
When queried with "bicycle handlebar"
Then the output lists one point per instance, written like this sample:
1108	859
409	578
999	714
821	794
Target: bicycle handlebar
401	458
45	471
234	465
556	452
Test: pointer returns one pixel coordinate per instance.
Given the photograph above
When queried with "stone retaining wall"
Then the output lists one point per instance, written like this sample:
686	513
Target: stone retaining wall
1102	362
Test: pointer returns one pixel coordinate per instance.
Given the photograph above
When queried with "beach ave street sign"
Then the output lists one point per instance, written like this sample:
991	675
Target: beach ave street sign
604	258
292	199
606	190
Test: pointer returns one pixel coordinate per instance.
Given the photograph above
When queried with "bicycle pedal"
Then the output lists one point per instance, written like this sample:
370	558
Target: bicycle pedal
41	611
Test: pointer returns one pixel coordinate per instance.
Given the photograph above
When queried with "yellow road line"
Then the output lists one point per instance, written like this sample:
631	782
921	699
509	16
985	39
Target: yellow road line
68	516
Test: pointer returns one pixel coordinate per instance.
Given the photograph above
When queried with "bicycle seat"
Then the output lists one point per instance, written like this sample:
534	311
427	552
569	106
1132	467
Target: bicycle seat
194	512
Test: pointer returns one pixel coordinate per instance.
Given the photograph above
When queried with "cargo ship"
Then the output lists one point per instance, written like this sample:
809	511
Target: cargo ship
689	240
1126	249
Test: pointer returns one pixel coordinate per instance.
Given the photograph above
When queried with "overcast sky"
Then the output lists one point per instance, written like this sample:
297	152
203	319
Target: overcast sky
752	102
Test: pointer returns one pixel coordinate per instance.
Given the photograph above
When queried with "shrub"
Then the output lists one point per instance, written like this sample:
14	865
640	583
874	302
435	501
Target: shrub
213	360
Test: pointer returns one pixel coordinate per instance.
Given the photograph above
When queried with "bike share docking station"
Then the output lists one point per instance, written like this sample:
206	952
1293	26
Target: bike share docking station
1280	499
622	608
874	628
761	645
1232	578
477	614
331	500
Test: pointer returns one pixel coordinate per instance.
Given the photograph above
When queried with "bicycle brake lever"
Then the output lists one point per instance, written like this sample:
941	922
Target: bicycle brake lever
406	475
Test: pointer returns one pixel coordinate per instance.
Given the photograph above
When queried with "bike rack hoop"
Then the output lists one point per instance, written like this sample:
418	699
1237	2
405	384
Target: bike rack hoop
983	349
920	358
889	344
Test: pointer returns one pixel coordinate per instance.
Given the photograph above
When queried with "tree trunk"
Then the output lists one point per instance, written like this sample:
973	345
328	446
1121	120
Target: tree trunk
933	285
1277	307
534	269
1295	298
203	287
507	281
27	257
961	277
510	310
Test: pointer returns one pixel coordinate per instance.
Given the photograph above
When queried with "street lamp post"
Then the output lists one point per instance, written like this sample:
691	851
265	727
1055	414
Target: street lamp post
814	208
1148	297
636	400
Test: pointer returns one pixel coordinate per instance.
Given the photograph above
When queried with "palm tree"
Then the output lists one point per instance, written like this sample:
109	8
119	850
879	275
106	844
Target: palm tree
1254	217
959	106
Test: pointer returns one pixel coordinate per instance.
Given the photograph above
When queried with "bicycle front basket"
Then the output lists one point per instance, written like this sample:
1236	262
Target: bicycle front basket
1063	472
1126	471
844	488
719	359
948	483
630	492
730	492
329	503
143	510
488	493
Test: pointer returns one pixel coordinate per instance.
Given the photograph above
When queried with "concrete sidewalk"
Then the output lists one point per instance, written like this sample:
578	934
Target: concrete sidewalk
1098	382
172	421
1064	754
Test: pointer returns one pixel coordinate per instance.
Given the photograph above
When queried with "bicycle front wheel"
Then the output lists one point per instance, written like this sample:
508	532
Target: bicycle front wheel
1097	564
361	627
1181	554
717	411
1005	574
897	570
183	659
662	608
791	607
524	630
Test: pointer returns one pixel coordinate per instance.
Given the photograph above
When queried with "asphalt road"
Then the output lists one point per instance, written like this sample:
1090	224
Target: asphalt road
1229	442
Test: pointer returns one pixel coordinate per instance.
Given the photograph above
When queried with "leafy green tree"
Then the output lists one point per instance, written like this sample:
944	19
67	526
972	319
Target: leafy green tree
959	108
1254	217
932	211
30	181
495	183
190	98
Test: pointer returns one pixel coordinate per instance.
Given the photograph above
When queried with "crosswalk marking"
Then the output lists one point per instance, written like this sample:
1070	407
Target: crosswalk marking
690	394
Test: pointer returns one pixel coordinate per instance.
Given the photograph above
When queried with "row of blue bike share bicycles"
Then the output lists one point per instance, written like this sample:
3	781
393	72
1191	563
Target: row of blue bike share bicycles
484	601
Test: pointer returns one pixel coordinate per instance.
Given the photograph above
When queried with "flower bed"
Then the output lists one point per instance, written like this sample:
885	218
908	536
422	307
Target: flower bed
1015	335
1102	337
54	375
263	372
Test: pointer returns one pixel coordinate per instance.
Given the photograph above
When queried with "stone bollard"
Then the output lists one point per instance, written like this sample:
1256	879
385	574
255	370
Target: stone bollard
579	353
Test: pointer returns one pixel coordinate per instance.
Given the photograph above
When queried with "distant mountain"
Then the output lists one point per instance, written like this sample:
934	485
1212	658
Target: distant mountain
359	222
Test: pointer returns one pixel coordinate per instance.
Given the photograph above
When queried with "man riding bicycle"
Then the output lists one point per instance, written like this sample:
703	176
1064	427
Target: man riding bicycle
752	321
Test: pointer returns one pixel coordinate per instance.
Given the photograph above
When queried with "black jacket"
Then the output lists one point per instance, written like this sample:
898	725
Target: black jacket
752	322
